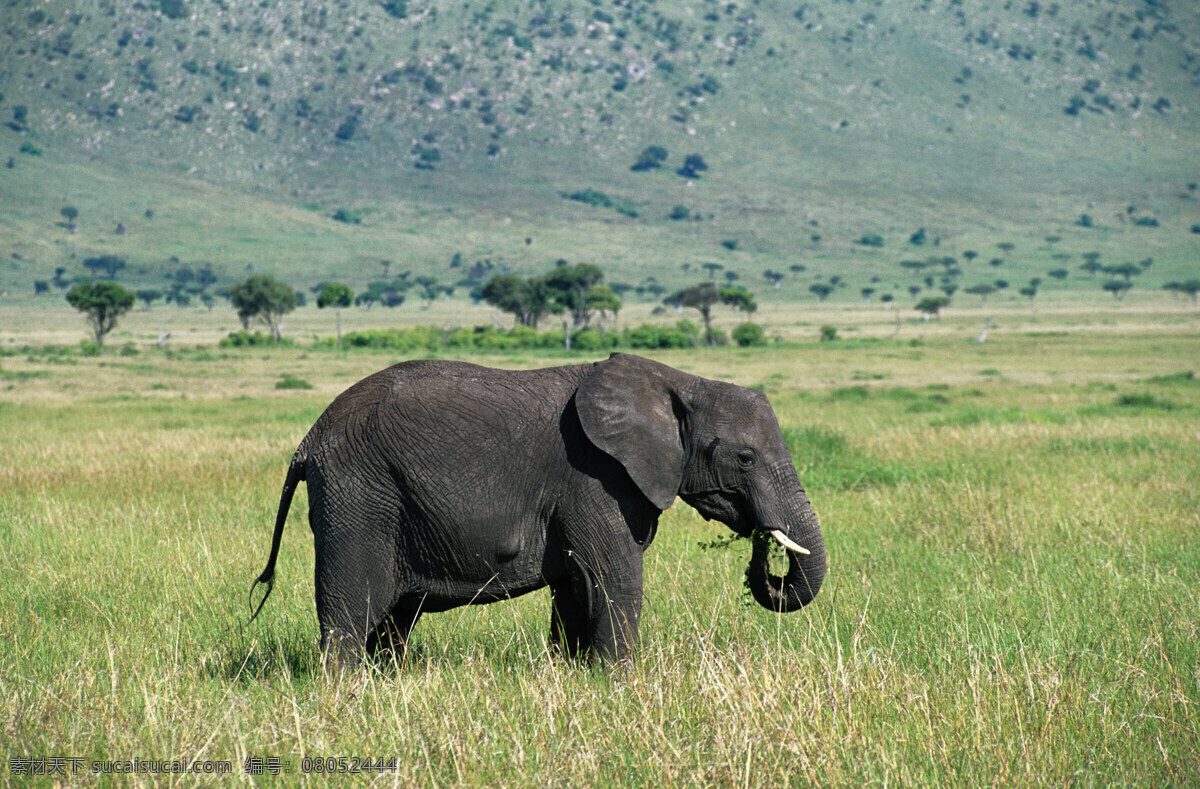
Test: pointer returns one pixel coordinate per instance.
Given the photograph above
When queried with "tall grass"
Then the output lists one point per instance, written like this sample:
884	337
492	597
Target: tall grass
1011	597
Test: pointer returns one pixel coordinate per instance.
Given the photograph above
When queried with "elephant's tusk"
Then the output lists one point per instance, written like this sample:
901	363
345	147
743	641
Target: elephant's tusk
786	542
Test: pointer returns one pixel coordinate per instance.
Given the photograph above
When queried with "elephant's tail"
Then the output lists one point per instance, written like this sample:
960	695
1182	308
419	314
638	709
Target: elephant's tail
294	476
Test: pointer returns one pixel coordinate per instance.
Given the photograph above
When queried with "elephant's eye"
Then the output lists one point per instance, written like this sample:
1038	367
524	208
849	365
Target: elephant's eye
745	458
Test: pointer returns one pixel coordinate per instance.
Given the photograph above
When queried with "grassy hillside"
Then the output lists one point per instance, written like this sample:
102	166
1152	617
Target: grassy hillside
230	133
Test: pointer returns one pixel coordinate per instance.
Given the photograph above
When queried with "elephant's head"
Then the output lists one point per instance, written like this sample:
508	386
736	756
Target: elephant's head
718	447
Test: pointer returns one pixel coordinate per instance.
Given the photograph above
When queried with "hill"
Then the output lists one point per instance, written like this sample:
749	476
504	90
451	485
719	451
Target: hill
827	139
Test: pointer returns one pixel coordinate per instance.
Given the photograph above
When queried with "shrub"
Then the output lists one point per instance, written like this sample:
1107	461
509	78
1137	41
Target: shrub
245	339
683	335
828	333
413	339
748	334
591	197
347	216
289	381
650	159
871	240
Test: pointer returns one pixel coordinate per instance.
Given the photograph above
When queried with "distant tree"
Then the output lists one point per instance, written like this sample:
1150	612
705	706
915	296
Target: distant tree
932	306
106	265
571	284
1118	288
918	238
1006	247
148	296
338	296
820	290
265	298
70	213
604	301
866	294
1059	273
1126	270
871	240
693	165
949	288
1085	221
679	212
40	286
651	158
701	297
982	290
527	300
887	300
103	303
797	268
1092	266
774	277
739	298
913	290
1191	287
970	255
1030	291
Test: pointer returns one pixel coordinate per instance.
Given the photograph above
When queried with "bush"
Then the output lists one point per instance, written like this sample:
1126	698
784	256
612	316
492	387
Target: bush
414	339
828	333
659	337
244	339
748	334
347	216
289	381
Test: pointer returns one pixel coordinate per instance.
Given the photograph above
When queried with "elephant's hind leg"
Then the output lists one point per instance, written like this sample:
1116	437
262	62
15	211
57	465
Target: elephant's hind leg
355	592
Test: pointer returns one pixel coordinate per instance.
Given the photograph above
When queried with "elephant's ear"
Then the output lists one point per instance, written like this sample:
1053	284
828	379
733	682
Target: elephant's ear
631	409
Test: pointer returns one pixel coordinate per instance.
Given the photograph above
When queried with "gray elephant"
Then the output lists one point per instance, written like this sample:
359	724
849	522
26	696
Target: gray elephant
437	484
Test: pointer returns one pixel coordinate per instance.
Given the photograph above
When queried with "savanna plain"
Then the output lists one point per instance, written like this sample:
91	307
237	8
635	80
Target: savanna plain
1011	599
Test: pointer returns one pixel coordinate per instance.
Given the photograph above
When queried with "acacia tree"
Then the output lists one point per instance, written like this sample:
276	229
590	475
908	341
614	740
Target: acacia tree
338	296
931	306
982	290
103	303
603	300
701	297
1191	288
527	300
570	285
265	298
820	290
739	298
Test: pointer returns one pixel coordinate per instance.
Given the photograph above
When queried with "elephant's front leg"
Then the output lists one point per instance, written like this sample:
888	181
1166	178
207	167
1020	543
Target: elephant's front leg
596	608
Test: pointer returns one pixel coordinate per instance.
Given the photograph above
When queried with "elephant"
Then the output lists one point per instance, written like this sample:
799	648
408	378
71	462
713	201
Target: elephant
436	484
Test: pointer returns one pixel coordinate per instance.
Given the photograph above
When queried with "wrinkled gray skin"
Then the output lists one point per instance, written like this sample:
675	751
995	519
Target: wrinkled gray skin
439	484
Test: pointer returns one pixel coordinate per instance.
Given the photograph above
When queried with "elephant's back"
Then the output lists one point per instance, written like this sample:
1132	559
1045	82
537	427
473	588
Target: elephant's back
447	405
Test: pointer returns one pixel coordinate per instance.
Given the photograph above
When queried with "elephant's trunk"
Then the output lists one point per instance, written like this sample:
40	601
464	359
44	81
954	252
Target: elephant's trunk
805	547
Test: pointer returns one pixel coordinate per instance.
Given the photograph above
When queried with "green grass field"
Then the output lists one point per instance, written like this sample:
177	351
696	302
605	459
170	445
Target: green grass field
1011	599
